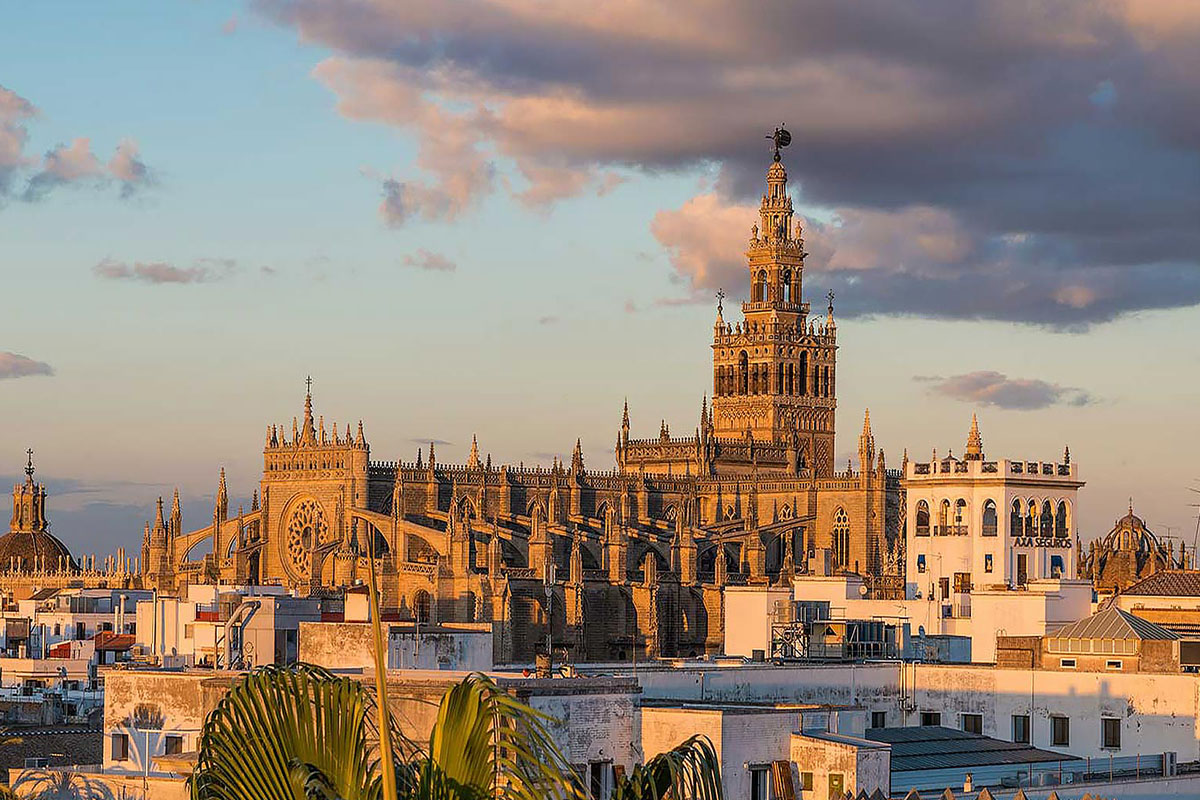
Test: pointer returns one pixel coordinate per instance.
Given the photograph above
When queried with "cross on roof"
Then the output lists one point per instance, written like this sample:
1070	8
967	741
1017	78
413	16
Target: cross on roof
29	462
308	384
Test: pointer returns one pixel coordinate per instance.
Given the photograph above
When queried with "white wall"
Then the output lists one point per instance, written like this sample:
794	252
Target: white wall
748	616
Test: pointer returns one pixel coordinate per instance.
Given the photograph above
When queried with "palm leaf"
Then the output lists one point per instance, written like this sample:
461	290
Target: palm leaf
488	741
289	734
689	771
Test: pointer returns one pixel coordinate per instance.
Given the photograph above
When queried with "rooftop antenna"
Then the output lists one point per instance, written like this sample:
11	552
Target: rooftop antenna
1196	536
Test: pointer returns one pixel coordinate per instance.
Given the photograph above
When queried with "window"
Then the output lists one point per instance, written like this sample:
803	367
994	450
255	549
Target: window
960	516
1066	663
878	719
972	723
599	780
841	537
987	562
1060	520
1047	520
944	588
989	518
944	518
1110	734
1114	663
1014	519
174	745
120	747
1022	569
189	631
962	582
922	518
759	782
1020	728
931	718
1060	731
806	781
921	563
1056	566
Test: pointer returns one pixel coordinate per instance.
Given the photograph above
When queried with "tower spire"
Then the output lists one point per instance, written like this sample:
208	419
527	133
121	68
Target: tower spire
974	441
29	465
308	432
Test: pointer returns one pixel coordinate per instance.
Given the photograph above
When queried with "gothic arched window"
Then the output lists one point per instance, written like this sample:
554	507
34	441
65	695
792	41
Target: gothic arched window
944	518
1047	519
841	537
1014	519
422	606
922	518
743	373
785	286
960	515
1060	520
1031	518
989	518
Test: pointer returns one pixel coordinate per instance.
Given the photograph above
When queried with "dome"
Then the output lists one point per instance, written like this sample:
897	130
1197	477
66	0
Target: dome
27	550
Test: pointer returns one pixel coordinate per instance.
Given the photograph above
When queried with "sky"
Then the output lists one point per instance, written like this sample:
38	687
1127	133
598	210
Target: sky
504	217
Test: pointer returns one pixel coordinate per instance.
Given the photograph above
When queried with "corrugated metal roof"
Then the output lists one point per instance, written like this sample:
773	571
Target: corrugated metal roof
1113	623
936	747
1167	583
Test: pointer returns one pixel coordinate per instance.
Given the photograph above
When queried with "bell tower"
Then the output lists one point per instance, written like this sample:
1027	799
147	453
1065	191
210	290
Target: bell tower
774	372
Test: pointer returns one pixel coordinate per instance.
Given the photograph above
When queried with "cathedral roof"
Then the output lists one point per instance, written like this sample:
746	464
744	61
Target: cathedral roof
31	547
1167	583
1113	623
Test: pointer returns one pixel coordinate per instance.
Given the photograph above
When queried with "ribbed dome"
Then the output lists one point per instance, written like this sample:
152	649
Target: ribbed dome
31	549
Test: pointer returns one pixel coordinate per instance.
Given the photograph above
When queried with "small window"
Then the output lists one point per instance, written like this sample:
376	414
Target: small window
1066	663
759	782
878	719
1060	731
1110	734
189	631
806	781
174	745
929	718
972	723
921	563
1114	663
1020	728
120	747
987	562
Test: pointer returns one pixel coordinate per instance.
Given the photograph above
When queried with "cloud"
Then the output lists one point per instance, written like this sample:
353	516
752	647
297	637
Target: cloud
997	389
73	164
429	261
204	270
1067	128
430	440
548	319
15	365
230	26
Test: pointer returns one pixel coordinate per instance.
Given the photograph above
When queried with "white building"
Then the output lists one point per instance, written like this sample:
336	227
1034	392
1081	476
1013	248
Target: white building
973	522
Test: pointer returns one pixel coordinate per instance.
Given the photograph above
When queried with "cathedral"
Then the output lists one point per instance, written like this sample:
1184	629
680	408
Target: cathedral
620	563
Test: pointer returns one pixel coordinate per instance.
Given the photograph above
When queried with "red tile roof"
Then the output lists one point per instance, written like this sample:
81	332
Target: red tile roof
1167	583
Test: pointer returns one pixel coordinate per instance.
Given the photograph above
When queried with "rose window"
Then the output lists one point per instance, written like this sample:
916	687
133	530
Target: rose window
306	530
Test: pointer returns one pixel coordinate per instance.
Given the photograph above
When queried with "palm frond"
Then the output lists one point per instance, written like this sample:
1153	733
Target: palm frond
485	738
689	771
278	729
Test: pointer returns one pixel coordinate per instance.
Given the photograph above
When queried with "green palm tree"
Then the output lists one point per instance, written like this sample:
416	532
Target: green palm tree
302	732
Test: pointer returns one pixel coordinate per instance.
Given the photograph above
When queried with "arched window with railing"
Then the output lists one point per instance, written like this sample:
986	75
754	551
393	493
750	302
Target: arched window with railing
1031	518
785	286
943	518
1061	528
960	516
922	518
989	518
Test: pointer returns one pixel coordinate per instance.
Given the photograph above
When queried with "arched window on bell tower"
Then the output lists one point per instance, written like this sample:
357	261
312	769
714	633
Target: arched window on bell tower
759	290
785	286
743	376
802	388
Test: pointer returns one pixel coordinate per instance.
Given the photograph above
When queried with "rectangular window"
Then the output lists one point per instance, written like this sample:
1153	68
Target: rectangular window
120	747
1114	663
972	723
944	588
878	719
806	781
599	780
962	582
1066	663
931	718
920	563
759	782
174	745
189	631
987	563
1020	728
1110	734
1060	731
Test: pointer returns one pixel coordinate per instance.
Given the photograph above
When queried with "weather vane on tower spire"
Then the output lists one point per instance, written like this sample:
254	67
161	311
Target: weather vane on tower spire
780	138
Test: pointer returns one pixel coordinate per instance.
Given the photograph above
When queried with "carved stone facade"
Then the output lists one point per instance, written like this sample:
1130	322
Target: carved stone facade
636	557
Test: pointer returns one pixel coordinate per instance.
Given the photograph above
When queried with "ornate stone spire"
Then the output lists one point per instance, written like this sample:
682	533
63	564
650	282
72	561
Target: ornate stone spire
866	444
974	441
577	458
222	505
308	433
473	458
176	515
